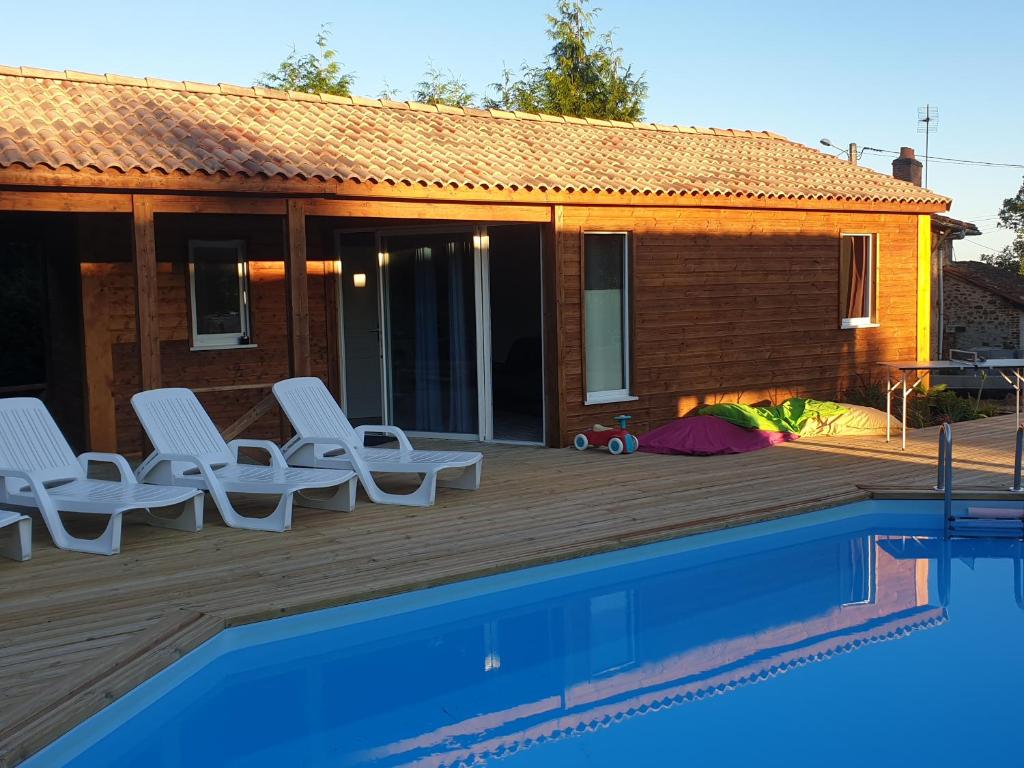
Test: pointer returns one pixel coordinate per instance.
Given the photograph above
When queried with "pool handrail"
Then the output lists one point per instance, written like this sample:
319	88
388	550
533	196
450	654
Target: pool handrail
1018	453
945	469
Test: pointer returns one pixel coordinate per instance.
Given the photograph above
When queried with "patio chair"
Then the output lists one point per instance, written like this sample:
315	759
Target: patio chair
325	438
38	469
19	543
189	451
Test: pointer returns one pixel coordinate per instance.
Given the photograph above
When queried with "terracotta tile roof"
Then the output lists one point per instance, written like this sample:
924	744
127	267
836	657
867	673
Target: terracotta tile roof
55	120
1001	282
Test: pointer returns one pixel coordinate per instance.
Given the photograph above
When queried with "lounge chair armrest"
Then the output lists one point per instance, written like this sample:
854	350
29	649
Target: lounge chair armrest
119	461
19	473
270	448
384	429
33	483
332	443
154	460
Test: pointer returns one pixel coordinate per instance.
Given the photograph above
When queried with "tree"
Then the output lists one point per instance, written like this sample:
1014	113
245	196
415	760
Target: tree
314	72
388	92
1011	216
583	76
439	87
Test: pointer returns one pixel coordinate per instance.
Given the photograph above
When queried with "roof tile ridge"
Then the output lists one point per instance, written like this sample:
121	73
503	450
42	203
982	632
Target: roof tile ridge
262	92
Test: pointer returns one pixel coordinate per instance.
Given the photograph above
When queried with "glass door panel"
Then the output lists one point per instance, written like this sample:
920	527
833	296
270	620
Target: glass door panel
361	352
431	332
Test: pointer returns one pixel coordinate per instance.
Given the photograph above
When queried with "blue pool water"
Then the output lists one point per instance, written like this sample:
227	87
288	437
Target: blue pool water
851	635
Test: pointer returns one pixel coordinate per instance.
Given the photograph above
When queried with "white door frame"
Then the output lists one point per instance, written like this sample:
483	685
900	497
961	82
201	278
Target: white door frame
484	385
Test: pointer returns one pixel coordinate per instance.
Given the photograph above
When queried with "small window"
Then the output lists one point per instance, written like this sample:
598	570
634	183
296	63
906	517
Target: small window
606	315
219	285
857	281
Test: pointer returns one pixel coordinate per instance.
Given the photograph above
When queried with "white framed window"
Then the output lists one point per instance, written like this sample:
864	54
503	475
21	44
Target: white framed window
858	280
218	278
606	316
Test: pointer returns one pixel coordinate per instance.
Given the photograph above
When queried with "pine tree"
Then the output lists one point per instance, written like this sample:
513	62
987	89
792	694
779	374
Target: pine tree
583	76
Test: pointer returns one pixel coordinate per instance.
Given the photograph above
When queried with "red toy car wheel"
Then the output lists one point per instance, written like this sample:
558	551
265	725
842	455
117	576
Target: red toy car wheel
580	442
616	446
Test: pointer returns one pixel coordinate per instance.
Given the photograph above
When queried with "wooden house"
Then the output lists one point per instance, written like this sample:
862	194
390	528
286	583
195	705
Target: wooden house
485	274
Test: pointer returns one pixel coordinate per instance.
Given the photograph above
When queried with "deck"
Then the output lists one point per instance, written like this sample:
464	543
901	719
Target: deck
77	631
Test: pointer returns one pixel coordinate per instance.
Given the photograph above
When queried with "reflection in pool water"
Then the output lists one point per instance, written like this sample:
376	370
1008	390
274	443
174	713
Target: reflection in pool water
767	649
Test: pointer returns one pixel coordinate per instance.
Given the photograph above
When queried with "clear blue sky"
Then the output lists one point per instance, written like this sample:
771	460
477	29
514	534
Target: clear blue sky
845	71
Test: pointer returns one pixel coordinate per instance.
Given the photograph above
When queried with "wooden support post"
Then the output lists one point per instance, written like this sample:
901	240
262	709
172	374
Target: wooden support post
298	289
101	426
554	385
147	315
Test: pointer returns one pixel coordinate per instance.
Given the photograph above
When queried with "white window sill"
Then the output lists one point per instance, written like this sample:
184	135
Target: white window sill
602	398
848	326
220	347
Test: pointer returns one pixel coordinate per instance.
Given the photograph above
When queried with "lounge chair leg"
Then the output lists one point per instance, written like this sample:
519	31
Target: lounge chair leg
190	518
467	480
422	497
278	521
18	541
342	500
107	543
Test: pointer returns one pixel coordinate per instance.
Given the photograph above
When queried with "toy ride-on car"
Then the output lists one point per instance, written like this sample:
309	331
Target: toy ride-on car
616	439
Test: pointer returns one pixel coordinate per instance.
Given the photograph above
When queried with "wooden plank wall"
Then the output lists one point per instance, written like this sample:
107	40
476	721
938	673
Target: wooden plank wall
736	305
233	378
729	304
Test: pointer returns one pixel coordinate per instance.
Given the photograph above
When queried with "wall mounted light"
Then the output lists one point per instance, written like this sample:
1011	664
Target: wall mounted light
359	279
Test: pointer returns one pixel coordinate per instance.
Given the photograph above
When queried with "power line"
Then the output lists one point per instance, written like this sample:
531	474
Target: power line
953	160
982	245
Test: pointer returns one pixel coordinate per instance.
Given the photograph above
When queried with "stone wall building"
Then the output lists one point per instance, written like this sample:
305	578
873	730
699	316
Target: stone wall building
983	309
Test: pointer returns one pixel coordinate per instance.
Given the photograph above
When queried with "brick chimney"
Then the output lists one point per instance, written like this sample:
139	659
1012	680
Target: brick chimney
907	167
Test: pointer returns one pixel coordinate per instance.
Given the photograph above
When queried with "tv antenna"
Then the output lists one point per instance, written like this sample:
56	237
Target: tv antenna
927	123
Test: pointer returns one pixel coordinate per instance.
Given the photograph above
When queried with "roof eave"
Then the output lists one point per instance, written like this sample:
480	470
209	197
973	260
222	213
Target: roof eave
138	182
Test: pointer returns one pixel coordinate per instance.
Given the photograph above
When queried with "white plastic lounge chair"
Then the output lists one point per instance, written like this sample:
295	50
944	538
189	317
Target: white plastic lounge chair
325	438
17	543
189	451
38	469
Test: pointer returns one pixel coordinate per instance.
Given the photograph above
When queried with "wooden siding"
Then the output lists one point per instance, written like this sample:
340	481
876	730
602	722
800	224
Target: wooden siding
229	381
736	305
727	305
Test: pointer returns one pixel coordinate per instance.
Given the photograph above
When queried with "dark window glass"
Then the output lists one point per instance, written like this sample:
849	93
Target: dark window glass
217	290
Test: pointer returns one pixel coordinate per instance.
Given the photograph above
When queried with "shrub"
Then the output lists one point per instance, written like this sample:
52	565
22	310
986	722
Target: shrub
926	407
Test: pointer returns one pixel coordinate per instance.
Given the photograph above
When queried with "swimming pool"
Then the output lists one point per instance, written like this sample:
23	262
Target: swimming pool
832	638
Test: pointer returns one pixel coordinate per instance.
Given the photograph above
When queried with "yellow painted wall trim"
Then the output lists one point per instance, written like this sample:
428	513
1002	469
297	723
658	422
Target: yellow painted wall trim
924	287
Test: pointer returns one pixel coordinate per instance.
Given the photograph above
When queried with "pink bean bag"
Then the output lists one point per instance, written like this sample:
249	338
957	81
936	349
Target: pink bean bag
708	436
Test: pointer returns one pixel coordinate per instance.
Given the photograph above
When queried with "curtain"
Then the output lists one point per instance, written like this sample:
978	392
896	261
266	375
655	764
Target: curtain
461	393
858	280
428	375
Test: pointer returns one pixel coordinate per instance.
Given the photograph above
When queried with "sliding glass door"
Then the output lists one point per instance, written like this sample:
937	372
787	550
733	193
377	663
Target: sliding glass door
431	332
441	331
